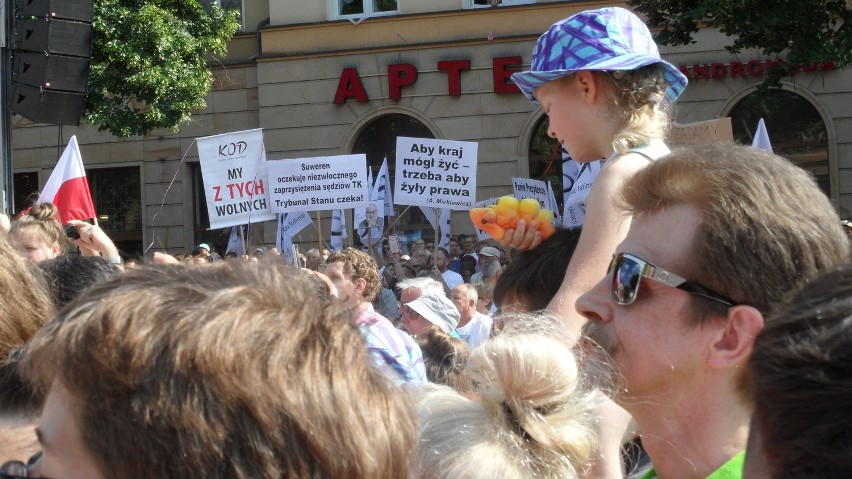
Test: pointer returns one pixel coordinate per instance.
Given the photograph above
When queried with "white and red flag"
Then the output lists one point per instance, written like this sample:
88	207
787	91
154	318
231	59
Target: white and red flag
67	187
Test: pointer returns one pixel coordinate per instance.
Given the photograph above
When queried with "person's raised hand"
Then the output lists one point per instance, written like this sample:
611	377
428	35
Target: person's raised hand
522	237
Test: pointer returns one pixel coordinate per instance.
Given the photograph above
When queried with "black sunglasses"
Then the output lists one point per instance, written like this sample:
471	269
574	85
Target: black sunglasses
629	269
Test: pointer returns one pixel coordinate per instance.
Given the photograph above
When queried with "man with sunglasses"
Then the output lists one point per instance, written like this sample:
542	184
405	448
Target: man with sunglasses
719	234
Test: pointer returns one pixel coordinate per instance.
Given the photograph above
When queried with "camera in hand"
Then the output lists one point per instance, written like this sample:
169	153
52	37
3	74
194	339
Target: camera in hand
71	232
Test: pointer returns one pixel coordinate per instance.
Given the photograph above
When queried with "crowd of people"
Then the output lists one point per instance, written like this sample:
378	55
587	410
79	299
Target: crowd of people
715	344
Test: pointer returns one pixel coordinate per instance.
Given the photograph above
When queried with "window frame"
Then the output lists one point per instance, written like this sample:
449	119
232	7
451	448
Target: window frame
334	7
503	3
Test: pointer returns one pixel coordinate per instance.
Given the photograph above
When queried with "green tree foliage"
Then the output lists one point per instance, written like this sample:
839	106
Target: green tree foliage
806	31
149	68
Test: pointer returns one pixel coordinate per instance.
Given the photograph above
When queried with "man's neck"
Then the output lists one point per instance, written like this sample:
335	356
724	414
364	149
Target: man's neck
694	436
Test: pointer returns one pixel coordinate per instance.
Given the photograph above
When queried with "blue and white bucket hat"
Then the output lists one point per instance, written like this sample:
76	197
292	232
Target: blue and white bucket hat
608	39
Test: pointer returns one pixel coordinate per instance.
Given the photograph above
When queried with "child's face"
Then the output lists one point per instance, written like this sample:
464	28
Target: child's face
573	119
32	247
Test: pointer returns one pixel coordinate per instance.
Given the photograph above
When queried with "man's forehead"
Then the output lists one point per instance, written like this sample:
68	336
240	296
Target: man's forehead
665	235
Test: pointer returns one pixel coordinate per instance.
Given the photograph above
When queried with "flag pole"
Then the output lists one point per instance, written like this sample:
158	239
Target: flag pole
319	232
242	239
437	239
397	219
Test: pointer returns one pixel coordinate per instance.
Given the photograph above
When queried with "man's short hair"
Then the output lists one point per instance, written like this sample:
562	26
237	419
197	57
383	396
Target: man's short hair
359	265
491	267
469	290
425	285
241	369
766	227
534	276
801	370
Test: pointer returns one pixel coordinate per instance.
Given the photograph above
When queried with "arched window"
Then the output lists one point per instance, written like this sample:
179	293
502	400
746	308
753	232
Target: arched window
378	141
545	158
796	130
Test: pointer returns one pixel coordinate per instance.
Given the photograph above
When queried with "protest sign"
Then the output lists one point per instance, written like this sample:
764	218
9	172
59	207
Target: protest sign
700	133
321	183
436	173
528	188
481	234
233	168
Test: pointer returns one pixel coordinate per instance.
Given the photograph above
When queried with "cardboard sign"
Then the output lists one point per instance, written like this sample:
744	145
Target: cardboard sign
436	173
233	168
700	133
528	188
321	183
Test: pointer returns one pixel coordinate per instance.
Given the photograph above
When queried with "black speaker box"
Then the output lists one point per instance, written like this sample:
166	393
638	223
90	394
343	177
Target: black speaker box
46	106
79	10
56	36
53	72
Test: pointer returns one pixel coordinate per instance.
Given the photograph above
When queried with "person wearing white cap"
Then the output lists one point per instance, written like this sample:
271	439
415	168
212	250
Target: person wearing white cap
486	254
428	310
204	250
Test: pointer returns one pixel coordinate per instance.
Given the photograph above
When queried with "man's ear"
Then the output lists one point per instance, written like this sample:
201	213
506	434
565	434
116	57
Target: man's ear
360	285
734	344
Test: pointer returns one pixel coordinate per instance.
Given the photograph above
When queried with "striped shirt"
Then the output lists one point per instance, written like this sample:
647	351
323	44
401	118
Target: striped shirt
391	350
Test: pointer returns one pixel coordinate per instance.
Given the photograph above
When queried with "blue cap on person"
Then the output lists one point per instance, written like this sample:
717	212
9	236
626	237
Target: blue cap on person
204	246
606	39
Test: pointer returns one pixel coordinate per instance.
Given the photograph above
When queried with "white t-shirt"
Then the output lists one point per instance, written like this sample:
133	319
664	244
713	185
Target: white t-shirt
476	331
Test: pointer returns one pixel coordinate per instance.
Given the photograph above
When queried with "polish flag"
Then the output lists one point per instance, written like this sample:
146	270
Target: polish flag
67	187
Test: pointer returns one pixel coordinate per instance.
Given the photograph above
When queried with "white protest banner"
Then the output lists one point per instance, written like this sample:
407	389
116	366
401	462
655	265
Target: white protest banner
700	133
553	205
529	188
436	173
321	183
233	167
480	234
577	180
289	224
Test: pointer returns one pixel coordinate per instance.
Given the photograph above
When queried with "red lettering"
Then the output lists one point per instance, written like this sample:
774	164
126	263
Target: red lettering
502	71
810	68
216	196
828	66
258	187
701	71
453	69
683	69
755	68
350	86
230	187
719	70
400	75
737	69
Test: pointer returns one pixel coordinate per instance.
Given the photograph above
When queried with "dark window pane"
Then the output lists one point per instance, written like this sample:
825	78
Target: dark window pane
117	194
545	158
26	190
351	7
385	5
795	129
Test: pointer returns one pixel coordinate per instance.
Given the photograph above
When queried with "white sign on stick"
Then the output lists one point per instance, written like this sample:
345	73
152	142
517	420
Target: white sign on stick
436	173
529	188
233	167
481	234
322	183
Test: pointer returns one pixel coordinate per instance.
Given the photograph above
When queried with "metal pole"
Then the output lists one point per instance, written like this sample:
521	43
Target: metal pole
7	16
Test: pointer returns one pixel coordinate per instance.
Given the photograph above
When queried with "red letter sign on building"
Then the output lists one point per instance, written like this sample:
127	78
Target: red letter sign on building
400	75
350	86
502	74
453	69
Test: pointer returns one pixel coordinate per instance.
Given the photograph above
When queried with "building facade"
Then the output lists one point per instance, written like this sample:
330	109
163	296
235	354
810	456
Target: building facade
336	77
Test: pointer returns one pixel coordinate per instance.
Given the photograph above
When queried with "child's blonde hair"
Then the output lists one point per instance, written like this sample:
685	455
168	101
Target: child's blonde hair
43	219
638	105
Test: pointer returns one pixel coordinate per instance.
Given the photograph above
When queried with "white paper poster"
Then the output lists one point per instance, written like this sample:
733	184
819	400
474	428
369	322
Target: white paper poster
322	183
436	173
529	188
233	167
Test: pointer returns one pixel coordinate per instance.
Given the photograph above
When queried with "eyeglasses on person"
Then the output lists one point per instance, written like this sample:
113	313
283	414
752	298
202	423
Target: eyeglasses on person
628	270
